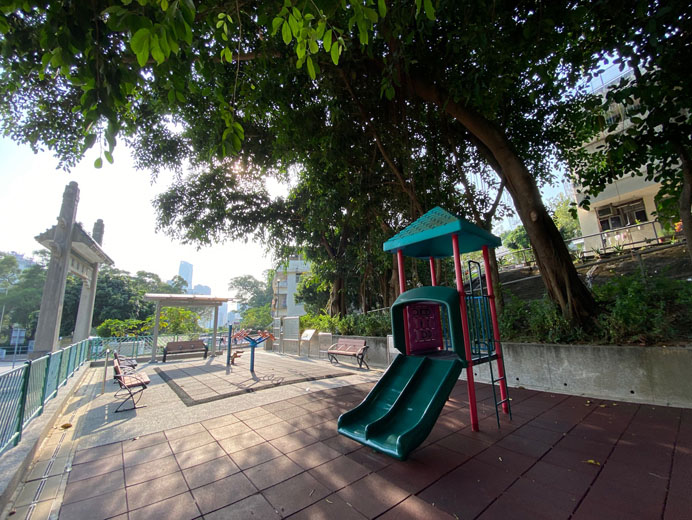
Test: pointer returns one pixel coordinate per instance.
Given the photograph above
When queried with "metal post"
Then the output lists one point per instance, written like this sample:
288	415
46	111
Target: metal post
402	289
433	275
14	355
228	350
467	337
213	334
496	331
22	402
105	372
45	382
156	332
252	358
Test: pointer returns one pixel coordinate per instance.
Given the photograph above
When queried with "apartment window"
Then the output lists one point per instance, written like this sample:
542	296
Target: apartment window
282	301
298	279
628	214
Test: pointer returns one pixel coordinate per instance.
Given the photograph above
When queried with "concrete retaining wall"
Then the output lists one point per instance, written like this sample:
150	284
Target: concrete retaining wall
652	375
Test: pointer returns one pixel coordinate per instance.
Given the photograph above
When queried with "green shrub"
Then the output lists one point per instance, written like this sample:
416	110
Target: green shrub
634	309
536	321
644	310
372	324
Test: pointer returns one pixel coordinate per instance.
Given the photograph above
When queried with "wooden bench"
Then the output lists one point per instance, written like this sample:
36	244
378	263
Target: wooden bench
348	347
183	347
132	385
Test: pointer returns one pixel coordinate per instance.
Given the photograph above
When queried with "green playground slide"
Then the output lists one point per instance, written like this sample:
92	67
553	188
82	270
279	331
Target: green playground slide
402	408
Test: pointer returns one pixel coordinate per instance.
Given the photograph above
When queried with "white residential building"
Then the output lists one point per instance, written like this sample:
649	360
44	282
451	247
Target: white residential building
622	215
284	287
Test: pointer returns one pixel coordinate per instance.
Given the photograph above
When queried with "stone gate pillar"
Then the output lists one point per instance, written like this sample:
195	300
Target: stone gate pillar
54	289
85	313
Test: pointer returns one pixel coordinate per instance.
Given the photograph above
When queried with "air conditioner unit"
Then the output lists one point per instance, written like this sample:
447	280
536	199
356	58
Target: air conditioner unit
605	211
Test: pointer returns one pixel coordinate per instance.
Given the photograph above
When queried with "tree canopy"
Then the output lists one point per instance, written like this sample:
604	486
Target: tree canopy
366	99
650	131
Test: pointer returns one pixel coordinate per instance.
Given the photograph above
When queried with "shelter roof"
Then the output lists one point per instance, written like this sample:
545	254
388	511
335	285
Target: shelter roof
186	300
82	244
431	236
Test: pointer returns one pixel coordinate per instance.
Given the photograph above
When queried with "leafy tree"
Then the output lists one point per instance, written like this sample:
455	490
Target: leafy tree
252	292
516	238
257	318
142	65
174	320
563	216
178	285
655	138
119	328
24	297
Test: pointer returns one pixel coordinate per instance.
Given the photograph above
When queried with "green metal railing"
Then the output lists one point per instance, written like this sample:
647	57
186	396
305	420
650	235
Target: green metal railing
25	390
132	346
480	326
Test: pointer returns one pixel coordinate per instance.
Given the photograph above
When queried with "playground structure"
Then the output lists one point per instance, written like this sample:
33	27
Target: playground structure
438	331
253	343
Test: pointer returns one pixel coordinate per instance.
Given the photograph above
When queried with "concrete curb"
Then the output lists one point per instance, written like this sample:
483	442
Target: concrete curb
15	462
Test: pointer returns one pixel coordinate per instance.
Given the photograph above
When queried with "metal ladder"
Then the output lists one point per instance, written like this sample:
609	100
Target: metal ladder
481	330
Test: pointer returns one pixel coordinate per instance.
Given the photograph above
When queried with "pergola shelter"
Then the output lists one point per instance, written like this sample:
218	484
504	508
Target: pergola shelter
183	300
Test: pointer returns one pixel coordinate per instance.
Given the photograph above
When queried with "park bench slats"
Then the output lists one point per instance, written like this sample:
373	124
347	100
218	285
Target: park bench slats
183	347
348	347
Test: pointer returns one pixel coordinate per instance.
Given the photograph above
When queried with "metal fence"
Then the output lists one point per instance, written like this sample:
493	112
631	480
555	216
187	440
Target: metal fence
596	244
25	390
133	346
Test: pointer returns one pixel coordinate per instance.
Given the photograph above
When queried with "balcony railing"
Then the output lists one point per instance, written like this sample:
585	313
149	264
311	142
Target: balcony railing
596	244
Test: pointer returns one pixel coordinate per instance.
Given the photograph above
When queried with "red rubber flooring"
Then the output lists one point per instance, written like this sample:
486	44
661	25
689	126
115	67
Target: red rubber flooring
561	457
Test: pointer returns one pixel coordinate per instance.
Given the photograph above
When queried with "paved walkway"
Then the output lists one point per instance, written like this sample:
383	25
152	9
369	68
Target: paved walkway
560	457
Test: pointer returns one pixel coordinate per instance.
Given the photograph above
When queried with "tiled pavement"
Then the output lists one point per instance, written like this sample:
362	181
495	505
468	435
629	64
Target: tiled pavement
560	457
203	382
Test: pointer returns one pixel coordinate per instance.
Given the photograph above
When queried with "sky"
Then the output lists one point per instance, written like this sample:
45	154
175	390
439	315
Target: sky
31	194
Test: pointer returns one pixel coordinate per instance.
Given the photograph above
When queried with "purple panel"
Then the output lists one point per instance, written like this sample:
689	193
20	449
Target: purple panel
424	327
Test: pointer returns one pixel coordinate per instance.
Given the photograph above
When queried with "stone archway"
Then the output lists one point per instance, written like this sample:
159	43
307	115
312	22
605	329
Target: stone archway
73	251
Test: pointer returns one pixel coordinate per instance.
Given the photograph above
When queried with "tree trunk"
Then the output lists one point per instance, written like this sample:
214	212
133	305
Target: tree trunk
336	297
685	202
557	270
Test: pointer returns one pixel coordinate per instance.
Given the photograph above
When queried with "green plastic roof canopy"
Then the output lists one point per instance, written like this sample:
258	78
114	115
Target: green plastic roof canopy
431	236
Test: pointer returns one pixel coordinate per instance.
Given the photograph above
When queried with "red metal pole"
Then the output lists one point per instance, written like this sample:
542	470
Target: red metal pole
402	289
433	276
496	330
467	337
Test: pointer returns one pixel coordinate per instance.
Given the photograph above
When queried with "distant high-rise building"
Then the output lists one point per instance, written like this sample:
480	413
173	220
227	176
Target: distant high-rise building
223	315
185	272
201	289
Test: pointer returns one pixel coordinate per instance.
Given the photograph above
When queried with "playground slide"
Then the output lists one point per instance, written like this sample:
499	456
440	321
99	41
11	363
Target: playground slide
402	408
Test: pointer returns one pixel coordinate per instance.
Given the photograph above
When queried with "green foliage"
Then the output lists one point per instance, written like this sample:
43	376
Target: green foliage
516	238
252	292
564	216
173	320
119	328
24	297
536	321
645	310
313	293
257	318
371	324
634	310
